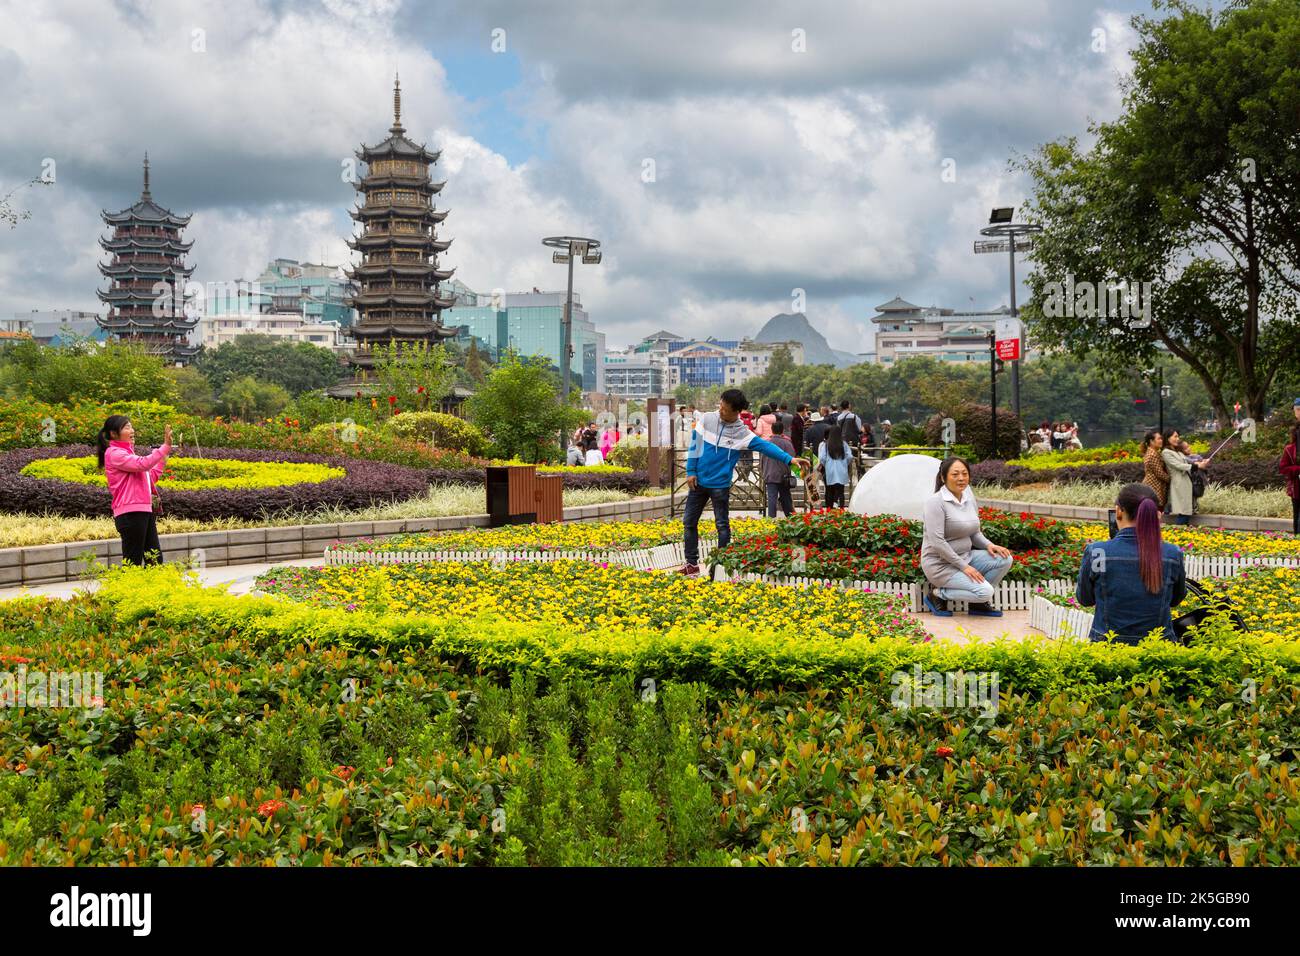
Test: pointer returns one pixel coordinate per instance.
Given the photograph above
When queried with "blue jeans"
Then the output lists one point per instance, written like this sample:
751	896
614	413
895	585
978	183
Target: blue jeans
959	587
695	499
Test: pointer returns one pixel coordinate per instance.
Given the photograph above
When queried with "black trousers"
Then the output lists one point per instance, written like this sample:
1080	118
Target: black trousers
834	496
1295	515
139	531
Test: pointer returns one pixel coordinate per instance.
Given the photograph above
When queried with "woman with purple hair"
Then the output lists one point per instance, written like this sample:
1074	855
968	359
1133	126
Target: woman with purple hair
1134	578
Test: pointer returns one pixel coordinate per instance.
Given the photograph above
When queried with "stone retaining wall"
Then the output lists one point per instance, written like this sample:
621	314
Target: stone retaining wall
56	563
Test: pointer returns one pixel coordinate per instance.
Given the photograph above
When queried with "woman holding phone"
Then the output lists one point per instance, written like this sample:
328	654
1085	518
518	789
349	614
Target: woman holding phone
133	484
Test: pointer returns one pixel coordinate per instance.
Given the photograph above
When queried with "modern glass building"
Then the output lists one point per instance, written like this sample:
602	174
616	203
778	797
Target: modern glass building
530	323
318	292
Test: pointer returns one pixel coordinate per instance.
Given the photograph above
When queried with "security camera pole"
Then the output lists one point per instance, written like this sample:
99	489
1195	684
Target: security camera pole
1010	237
589	251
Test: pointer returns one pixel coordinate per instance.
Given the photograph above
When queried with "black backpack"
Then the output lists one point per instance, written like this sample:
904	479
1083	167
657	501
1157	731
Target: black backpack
848	423
1198	483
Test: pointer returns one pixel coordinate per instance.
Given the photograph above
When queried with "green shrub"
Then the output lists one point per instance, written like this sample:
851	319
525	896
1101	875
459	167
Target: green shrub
440	430
220	746
630	453
975	428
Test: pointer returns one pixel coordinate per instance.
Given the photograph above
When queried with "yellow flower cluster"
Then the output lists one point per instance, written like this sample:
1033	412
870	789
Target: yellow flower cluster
1268	600
192	474
562	536
595	598
1209	541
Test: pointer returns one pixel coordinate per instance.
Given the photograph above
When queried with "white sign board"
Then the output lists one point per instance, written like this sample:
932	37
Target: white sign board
664	428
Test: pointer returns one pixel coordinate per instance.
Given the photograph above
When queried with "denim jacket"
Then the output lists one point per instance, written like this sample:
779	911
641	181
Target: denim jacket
1123	603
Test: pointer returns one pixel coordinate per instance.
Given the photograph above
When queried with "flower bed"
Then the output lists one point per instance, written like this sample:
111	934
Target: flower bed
840	545
363	483
191	474
1208	541
602	537
596	598
224	747
1257	475
1268	600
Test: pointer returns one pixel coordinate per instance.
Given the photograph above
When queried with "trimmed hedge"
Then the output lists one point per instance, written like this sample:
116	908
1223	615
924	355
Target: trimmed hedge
631	482
209	751
723	658
1256	475
365	483
975	428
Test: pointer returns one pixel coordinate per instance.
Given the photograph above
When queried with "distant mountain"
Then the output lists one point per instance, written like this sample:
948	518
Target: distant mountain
788	327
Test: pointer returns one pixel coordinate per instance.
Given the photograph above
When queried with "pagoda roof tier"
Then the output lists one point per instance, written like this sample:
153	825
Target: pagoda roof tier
399	330
151	243
423	213
404	239
178	326
375	270
118	268
398	145
400	297
397	180
145	211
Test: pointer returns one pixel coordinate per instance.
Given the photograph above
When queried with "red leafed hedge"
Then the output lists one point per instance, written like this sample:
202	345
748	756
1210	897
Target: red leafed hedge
366	483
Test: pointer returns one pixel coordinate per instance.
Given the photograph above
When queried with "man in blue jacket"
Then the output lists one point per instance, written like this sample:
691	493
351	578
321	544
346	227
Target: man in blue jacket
716	443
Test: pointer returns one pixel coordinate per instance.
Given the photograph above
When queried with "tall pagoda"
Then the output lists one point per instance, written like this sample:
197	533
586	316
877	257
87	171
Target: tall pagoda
398	298
146	250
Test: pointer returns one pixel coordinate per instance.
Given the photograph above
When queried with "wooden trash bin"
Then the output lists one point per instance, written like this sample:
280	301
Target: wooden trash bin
511	494
550	498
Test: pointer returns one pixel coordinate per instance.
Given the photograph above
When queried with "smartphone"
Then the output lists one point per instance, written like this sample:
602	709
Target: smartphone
1110	520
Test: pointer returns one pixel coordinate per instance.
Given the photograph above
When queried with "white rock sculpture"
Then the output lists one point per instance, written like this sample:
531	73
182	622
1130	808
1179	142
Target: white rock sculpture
896	486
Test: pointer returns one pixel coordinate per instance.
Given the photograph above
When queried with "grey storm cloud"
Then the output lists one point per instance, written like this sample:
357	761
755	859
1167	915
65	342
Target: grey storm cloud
774	169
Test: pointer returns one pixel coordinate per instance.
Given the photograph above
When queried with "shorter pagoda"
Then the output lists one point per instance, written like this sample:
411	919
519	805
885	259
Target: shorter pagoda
147	274
398	299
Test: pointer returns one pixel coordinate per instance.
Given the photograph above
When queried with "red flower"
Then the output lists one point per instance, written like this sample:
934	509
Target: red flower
269	808
392	399
943	751
420	390
343	773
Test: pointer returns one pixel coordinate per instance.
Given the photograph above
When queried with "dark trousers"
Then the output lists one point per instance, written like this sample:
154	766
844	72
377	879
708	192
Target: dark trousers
834	496
1179	519
695	499
1295	515
139	531
779	492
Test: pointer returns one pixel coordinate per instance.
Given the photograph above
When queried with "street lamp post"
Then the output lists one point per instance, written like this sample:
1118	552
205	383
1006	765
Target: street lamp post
993	388
1161	389
1010	237
589	250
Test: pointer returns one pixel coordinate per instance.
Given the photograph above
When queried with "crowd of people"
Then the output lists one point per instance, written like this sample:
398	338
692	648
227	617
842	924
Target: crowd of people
1053	436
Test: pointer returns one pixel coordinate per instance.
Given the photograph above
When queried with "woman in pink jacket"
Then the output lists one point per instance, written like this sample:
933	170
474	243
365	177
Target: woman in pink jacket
133	483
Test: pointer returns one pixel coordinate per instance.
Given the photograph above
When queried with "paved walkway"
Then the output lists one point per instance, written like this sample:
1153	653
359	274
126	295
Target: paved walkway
240	577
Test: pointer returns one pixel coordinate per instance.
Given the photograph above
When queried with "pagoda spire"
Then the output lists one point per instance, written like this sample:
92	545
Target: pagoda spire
145	194
397	105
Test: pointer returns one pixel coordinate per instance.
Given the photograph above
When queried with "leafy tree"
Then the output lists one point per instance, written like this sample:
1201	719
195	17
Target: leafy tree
250	400
296	366
413	374
474	363
84	370
1194	188
193	391
519	408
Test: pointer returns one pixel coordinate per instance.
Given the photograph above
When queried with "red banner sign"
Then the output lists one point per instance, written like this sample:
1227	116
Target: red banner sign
1008	349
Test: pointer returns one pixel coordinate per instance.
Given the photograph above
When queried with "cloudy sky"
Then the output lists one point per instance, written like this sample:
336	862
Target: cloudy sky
725	152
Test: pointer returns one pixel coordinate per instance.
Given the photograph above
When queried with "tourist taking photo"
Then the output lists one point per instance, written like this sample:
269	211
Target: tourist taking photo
133	486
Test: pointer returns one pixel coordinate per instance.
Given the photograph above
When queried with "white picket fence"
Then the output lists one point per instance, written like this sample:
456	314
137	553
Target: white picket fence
1057	621
659	558
1010	595
1219	566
